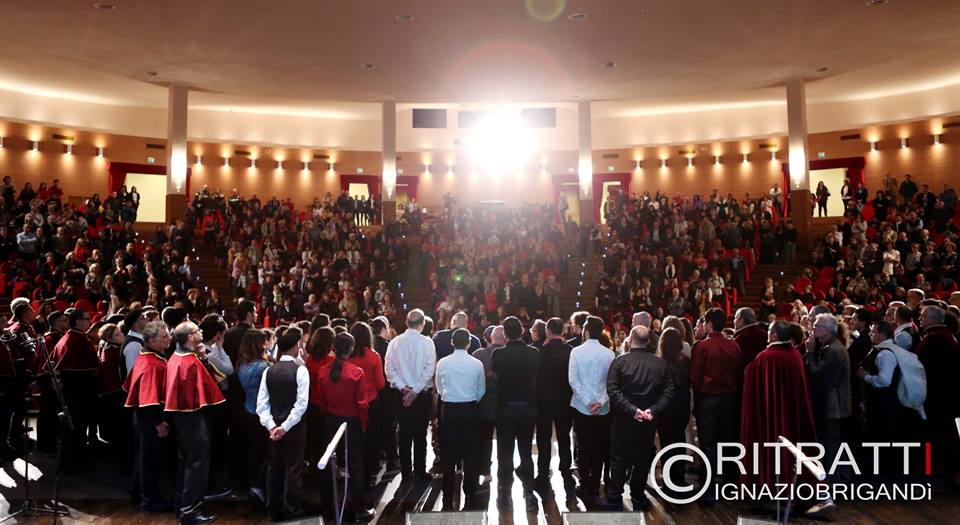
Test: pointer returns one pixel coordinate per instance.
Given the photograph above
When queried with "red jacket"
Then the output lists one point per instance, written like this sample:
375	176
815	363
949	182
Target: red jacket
716	366
147	381
189	386
345	397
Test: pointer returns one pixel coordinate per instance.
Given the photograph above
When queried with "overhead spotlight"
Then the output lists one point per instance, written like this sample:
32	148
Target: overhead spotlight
69	149
745	158
873	145
903	143
36	145
936	140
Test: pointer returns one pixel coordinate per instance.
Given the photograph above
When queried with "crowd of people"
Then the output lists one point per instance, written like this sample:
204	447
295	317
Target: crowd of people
310	344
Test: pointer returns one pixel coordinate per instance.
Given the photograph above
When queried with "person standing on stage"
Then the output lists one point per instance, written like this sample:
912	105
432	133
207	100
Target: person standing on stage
145	387
461	384
587	375
515	365
716	375
369	361
188	389
386	427
133	324
640	386
495	339
75	359
281	405
48	427
553	403
410	364
14	377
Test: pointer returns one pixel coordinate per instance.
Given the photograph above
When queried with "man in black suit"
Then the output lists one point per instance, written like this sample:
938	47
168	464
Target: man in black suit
386	423
515	365
640	387
553	403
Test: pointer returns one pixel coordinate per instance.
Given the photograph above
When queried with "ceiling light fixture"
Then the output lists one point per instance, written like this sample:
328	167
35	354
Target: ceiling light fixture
822	69
150	73
405	18
875	3
104	6
368	67
577	17
609	65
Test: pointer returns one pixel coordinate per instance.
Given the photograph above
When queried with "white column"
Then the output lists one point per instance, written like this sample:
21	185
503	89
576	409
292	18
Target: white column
797	126
389	177
585	164
177	140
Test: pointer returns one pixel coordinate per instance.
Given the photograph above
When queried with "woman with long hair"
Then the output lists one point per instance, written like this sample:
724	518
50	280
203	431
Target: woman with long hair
253	359
673	421
369	361
344	398
319	348
114	421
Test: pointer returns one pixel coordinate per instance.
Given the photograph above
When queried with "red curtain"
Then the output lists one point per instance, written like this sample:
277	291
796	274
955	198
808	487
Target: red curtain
117	174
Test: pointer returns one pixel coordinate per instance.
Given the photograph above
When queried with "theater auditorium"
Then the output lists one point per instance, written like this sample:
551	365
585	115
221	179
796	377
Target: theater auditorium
511	261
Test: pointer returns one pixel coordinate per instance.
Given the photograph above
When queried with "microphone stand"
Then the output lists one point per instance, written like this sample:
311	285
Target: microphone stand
28	508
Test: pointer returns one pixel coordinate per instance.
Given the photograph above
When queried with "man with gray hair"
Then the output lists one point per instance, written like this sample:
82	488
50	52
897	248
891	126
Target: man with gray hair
828	368
939	353
409	366
645	320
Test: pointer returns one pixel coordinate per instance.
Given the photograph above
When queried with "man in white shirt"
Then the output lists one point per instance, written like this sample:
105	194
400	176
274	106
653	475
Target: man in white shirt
283	396
905	334
133	323
409	367
587	374
461	383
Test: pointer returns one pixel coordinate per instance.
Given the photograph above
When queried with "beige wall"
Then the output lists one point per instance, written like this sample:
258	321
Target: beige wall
82	173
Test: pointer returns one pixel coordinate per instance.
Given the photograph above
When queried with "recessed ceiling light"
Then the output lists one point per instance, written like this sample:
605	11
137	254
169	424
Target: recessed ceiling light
104	6
578	17
368	67
609	65
405	18
876	2
151	73
822	69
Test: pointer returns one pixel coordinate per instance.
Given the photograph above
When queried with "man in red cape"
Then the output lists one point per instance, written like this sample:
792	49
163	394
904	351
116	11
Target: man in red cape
145	390
190	388
776	402
76	362
939	352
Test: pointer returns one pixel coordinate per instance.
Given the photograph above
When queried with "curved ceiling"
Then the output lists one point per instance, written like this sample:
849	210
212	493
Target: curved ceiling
640	58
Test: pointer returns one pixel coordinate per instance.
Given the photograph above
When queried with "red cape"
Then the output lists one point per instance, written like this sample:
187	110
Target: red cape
776	402
189	387
75	352
752	340
145	384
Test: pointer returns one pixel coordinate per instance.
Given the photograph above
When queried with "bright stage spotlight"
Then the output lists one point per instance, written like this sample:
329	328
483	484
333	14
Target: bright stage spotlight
500	142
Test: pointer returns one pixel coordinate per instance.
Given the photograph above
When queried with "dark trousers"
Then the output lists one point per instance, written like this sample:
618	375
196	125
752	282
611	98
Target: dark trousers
458	440
217	425
547	419
830	433
514	431
149	456
80	394
631	450
413	432
48	427
716	422
193	460
373	437
484	446
671	427
593	433
389	410
257	444
115	425
353	457
285	480
12	410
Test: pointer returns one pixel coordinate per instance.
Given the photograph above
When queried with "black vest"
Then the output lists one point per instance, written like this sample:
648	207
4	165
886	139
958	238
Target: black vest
123	359
282	387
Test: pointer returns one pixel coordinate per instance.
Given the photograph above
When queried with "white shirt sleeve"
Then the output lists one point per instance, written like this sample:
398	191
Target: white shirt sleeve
886	364
300	405
429	366
481	382
263	405
390	366
573	375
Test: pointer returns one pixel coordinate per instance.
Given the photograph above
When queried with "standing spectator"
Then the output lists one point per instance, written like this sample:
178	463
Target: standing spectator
822	195
828	367
553	403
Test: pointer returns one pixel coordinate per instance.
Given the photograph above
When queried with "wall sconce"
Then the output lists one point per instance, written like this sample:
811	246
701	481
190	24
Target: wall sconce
873	146
199	161
36	145
331	166
360	171
745	158
1	142
663	163
716	160
226	162
306	166
610	169
69	149
639	164
773	155
903	143
689	162
936	140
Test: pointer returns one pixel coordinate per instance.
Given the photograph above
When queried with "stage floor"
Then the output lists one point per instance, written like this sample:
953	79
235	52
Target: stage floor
100	496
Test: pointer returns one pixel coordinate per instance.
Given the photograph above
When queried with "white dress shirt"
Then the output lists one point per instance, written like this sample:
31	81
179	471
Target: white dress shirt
410	361
902	338
587	374
886	365
460	378
299	406
132	350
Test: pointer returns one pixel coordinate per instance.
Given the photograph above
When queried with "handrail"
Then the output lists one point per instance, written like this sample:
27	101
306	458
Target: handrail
332	447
